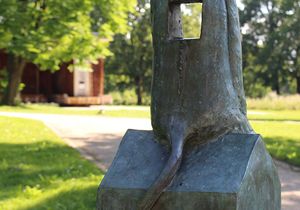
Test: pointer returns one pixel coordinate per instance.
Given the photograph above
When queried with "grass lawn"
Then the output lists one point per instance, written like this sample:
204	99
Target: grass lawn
45	108
137	112
123	111
39	171
279	128
271	115
282	139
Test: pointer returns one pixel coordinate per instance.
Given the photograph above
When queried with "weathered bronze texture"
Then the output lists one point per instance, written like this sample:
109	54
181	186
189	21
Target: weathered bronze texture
233	172
198	114
197	90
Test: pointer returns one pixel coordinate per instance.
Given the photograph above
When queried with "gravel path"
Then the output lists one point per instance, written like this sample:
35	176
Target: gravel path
97	139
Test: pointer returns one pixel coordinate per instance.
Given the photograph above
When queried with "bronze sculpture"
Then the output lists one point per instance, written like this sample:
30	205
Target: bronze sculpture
197	91
198	104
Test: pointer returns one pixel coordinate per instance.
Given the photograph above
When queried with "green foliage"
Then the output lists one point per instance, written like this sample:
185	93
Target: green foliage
50	32
191	20
256	90
116	82
271	45
39	171
128	97
130	67
281	138
132	54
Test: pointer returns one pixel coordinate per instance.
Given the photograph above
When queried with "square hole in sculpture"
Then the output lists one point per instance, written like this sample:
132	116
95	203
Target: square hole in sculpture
191	19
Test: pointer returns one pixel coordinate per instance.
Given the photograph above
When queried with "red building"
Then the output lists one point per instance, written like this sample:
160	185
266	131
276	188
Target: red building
63	87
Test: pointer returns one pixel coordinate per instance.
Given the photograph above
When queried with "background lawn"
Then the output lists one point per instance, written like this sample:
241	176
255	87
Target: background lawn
280	128
111	111
39	171
282	139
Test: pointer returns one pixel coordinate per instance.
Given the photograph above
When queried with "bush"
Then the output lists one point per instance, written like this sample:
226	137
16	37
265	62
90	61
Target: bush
257	90
128	97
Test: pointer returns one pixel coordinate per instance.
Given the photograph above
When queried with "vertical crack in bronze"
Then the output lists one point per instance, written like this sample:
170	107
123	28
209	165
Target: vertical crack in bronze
180	63
181	72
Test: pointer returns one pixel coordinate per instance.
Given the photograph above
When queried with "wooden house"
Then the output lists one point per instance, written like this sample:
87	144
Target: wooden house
73	88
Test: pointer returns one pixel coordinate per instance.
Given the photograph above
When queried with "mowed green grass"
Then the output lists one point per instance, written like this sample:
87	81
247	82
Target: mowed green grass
39	171
122	111
137	112
279	128
46	109
282	139
271	115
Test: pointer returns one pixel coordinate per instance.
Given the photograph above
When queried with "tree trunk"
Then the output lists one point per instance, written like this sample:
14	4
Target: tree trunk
276	85
298	84
15	67
277	88
138	89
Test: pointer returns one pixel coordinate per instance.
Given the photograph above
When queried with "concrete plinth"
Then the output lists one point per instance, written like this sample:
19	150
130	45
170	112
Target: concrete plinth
234	172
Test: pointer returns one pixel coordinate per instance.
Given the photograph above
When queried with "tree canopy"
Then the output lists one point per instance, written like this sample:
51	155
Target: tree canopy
271	42
130	67
132	54
49	32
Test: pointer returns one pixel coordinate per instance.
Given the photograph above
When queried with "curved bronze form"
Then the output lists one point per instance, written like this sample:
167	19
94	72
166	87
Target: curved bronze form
197	89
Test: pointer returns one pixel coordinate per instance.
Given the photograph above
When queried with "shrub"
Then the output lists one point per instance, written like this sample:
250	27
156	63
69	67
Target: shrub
128	97
256	90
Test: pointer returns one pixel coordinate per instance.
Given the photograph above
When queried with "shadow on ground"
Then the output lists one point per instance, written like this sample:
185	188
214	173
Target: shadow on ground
46	175
69	200
284	149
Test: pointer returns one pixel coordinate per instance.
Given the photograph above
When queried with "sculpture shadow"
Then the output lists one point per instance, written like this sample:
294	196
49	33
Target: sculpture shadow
284	149
69	200
40	166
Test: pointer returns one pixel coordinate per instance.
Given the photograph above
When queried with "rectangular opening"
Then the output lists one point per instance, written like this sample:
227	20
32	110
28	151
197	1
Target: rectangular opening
191	20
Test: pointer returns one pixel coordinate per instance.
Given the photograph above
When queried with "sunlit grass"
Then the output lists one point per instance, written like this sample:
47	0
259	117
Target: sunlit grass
121	111
127	113
47	109
282	139
274	115
279	128
39	171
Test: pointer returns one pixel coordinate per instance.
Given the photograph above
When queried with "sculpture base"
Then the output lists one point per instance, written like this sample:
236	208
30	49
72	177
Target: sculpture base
233	172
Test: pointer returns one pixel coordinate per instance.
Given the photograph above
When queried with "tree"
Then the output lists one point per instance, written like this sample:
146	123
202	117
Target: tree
290	33
131	63
132	52
49	32
271	43
262	21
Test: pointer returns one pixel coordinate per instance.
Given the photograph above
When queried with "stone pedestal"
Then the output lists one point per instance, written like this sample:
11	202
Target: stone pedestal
232	172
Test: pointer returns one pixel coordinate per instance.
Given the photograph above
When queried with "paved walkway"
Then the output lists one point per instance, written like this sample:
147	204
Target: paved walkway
97	138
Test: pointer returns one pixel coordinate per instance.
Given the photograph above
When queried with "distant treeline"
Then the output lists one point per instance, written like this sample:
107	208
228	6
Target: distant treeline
271	48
